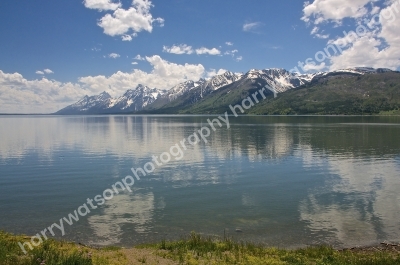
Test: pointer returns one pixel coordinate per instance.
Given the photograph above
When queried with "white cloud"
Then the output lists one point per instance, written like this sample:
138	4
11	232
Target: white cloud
203	50
114	55
128	37
139	58
378	48
321	11
229	43
135	19
45	71
101	4
164	76
314	30
251	26
365	52
314	67
238	59
134	63
19	95
160	21
178	49
375	10
185	49
374	41
214	72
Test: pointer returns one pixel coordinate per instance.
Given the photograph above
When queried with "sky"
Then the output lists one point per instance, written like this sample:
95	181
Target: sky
52	53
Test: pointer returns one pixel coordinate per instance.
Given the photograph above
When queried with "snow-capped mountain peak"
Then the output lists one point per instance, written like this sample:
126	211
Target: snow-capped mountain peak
132	100
136	99
278	80
224	79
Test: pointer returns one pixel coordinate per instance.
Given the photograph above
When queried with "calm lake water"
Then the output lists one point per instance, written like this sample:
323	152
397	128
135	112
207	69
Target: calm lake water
283	181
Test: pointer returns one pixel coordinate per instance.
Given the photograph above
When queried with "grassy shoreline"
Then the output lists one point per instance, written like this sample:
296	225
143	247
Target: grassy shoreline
193	249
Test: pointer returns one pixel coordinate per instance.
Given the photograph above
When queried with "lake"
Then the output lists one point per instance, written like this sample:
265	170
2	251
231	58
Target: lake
281	181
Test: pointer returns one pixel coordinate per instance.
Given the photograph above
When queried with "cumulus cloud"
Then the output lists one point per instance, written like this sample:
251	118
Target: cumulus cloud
379	47
40	72
135	19
214	72
164	75
114	55
314	67
238	59
203	50
101	5
19	95
321	11
178	49
134	63
374	41
251	26
229	43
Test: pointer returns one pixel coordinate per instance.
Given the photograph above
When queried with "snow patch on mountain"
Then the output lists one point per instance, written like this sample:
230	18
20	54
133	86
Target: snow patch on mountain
278	80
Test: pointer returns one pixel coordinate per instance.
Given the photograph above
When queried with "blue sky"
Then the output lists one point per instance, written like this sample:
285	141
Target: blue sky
54	52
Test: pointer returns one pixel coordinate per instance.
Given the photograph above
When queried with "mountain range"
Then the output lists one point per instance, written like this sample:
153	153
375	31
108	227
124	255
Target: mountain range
213	95
132	100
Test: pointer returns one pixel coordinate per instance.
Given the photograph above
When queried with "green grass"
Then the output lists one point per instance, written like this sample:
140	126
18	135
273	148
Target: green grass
49	253
197	249
192	250
53	252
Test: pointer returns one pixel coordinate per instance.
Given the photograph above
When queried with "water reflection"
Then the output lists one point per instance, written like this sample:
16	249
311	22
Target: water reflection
285	181
359	204
123	213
